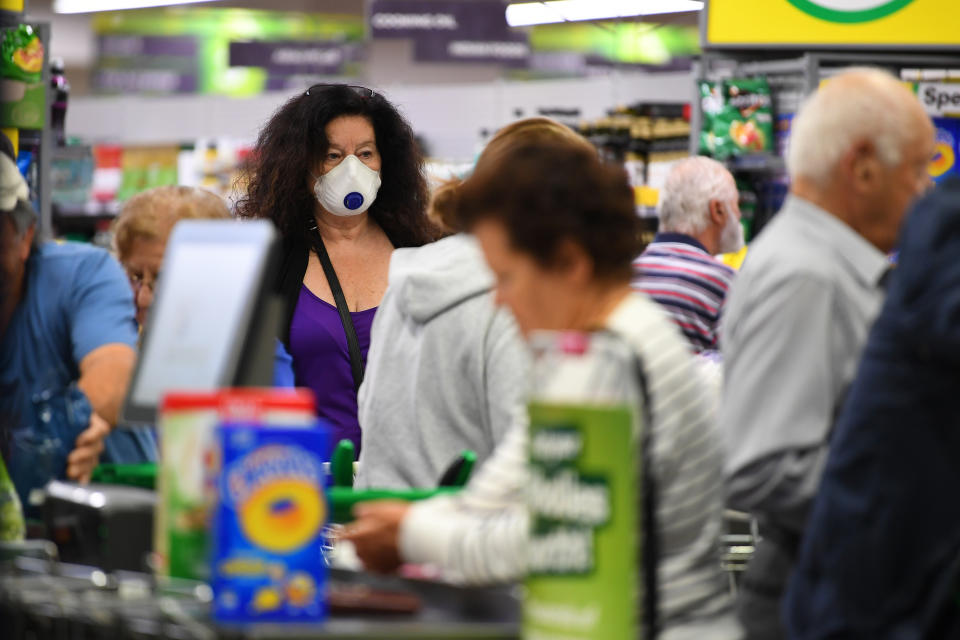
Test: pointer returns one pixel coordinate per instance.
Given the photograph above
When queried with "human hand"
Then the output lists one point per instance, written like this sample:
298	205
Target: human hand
86	452
376	533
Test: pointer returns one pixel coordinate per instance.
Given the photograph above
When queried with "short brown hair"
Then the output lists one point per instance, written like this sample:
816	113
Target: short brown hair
529	131
547	193
151	215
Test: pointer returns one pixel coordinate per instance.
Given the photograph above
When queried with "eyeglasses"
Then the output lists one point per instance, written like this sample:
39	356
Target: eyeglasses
363	92
137	281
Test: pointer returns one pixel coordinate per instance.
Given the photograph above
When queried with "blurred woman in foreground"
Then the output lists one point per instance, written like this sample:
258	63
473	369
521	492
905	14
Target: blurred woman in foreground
559	231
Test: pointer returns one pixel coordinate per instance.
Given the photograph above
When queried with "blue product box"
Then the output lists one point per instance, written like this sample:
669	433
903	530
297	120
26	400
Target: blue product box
268	530
944	162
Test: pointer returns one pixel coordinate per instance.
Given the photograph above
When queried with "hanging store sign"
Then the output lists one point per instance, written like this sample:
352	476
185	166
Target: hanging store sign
133	63
452	30
214	50
917	24
288	58
156	81
510	53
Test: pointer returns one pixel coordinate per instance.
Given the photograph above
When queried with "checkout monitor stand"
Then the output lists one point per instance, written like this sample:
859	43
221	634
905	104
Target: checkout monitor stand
214	324
216	317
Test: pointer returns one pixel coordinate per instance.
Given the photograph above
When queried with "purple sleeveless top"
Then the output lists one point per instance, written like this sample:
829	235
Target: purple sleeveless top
321	360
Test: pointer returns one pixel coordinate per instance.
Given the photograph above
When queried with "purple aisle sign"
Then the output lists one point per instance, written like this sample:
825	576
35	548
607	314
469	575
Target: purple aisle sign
456	19
289	58
514	52
131	46
144	81
452	30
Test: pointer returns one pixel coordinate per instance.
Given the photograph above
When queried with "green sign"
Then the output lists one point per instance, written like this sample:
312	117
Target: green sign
583	546
850	11
625	42
215	29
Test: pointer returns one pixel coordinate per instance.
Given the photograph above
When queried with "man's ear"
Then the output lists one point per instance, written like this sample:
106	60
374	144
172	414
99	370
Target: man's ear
26	243
718	214
863	167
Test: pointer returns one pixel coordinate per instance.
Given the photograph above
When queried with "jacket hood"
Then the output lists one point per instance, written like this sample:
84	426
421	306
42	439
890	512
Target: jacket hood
433	278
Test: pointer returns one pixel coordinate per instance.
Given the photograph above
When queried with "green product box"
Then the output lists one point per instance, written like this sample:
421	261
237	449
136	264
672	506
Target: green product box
183	510
583	552
22	91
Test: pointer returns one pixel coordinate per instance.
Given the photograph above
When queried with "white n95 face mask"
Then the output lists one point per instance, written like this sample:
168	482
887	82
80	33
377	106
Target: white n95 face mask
348	189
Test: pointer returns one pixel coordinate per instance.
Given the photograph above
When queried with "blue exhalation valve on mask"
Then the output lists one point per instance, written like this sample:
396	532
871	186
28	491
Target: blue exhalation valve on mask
353	201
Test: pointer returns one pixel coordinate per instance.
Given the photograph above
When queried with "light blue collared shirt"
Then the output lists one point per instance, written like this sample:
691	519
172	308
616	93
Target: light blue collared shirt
796	321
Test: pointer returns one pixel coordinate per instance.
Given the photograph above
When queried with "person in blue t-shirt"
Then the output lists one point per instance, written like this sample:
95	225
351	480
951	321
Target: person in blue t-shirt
67	350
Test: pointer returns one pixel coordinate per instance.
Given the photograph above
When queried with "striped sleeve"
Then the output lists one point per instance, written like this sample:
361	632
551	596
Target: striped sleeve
687	459
478	536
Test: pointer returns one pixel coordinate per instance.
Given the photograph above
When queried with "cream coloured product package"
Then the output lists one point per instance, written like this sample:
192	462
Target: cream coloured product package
189	465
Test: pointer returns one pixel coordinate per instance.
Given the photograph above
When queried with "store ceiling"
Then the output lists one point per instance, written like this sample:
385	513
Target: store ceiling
310	6
351	7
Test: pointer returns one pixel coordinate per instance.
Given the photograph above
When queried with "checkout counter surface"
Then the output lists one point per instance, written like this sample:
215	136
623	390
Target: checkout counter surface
43	599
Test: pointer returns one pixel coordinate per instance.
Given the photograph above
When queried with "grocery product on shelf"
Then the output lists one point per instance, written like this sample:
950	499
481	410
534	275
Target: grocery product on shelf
944	163
737	117
711	104
22	94
107	173
647	139
61	94
12	525
145	168
90	183
71	175
187	466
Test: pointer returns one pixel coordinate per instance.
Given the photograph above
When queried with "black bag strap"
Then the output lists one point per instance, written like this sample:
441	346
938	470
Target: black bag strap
353	344
651	537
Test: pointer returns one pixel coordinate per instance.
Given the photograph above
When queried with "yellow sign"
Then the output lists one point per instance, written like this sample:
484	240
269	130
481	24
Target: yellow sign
909	23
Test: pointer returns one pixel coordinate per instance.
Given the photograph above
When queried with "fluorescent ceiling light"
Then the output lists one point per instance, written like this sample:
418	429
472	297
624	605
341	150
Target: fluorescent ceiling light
530	13
92	6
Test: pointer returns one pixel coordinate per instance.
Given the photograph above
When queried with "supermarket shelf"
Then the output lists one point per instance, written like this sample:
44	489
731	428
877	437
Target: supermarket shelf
86	210
10	18
31	137
83	219
451	132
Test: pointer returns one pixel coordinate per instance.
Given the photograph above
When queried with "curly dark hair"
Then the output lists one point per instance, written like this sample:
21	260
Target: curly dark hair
549	192
295	139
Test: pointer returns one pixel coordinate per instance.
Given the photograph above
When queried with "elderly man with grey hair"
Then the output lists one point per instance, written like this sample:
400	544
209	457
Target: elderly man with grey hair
67	337
799	312
699	218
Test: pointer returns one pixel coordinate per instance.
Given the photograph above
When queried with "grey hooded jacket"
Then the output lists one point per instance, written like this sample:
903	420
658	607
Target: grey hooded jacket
446	370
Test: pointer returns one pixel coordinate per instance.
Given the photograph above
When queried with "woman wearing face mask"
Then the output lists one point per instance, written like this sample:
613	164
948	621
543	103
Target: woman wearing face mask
338	171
